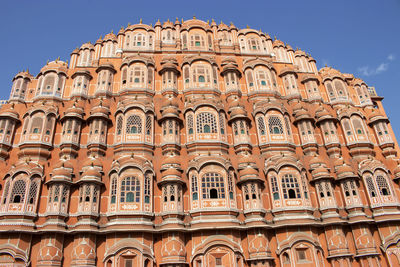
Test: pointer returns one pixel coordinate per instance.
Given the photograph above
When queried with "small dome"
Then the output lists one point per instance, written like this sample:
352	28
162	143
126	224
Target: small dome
322	114
100	110
110	36
170	111
56	65
92	162
248	171
74	111
343	170
168	24
171	172
8	111
91	173
289	48
87	46
170	160
238	112
315	161
320	172
278	43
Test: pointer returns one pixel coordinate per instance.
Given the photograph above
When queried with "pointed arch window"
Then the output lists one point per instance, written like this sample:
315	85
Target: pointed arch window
113	190
213	186
18	192
194	188
206	123
261	125
147	187
275	125
275	188
383	185
134	125
290	187
130	190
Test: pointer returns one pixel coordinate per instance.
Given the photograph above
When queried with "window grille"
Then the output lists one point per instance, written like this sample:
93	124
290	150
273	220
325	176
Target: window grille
253	191
357	126
95	192
290	187
250	80
190	123
370	186
275	125
230	186
305	188
170	127
221	123
206	123
275	189
172	193
37	123
194	187
119	125
213	186
261	125
18	192
147	189
246	192
331	93
130	190
134	125
64	194
56	193
235	128
165	193
113	190
148	125
383	185
5	192
87	193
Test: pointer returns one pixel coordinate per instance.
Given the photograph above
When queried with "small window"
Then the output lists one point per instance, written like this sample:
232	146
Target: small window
218	261
301	254
197	43
201	79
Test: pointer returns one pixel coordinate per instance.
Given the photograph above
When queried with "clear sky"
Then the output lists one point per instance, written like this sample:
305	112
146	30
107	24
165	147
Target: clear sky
358	37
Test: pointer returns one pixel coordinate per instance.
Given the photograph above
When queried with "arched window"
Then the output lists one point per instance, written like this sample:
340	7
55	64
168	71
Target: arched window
290	187
383	185
18	192
33	192
147	187
119	125
113	198
36	126
190	123
221	123
134	125
130	190
195	194
261	125
275	125
275	188
371	186
340	89
148	125
213	186
230	186
206	123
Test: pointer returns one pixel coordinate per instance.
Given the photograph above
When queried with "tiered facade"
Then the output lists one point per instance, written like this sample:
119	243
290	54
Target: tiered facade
196	144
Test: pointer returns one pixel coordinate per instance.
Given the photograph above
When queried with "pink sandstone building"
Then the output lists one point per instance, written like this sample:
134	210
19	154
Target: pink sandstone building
196	144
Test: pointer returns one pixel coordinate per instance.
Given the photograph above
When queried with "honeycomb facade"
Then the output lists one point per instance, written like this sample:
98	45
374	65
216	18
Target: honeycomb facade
196	144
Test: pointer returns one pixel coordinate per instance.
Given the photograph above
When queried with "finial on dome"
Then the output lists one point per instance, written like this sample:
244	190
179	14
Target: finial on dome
326	65
140	21
212	20
247	27
129	24
168	20
208	21
275	37
194	16
112	31
182	21
47	62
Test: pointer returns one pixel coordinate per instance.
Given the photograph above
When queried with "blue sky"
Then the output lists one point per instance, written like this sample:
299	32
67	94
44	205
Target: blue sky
359	37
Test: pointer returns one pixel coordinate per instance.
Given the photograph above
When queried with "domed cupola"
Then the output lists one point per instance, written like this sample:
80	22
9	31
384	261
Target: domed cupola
98	126
90	182
305	123
343	170
9	119
51	80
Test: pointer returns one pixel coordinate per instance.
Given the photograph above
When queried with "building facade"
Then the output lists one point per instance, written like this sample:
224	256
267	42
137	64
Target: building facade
196	144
